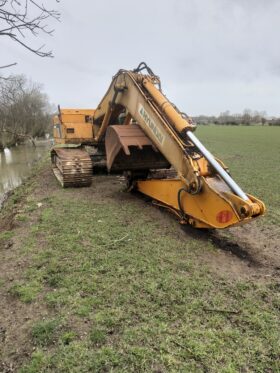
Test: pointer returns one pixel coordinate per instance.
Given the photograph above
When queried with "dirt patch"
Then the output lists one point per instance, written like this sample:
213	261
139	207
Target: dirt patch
262	243
238	255
15	339
7	222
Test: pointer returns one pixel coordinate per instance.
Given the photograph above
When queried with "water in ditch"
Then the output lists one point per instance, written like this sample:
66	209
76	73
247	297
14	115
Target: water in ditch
16	164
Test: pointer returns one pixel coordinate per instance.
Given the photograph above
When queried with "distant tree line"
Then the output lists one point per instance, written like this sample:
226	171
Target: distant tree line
247	118
24	111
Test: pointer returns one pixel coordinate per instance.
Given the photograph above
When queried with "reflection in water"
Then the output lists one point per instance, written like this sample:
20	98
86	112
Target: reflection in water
8	156
16	164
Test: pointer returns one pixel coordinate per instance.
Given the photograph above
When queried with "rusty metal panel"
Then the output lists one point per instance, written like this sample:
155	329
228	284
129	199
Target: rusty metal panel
128	148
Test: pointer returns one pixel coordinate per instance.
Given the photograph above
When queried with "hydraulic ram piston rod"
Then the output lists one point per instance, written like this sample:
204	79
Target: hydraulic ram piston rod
216	165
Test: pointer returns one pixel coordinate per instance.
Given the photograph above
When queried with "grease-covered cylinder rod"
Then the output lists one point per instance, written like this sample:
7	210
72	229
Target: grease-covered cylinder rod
218	168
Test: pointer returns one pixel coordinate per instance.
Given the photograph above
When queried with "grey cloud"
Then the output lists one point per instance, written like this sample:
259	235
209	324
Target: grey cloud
212	55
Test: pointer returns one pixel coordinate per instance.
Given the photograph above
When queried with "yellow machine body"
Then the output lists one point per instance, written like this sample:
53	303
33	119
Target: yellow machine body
211	209
143	134
73	126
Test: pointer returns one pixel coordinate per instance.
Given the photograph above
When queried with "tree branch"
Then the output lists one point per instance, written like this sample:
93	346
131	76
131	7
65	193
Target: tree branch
26	16
19	135
10	65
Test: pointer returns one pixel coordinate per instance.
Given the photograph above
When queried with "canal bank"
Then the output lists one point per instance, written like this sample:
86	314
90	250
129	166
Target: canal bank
16	165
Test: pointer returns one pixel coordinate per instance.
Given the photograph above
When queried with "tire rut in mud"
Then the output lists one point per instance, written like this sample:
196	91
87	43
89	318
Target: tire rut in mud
239	250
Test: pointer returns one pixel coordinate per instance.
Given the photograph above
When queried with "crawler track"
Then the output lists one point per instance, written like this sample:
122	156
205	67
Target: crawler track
72	167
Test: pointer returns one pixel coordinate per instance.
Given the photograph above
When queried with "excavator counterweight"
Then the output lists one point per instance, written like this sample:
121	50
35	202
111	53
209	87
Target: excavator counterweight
137	130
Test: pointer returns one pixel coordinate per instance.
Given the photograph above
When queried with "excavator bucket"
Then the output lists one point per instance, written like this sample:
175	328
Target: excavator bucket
128	148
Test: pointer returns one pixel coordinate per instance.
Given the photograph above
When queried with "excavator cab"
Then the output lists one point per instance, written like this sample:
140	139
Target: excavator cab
73	126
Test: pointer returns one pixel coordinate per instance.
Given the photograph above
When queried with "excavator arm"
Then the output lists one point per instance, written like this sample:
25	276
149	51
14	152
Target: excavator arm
129	90
201	191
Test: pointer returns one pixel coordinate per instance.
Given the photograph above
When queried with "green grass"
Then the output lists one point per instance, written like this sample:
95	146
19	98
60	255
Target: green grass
6	235
126	293
44	332
26	291
147	303
98	336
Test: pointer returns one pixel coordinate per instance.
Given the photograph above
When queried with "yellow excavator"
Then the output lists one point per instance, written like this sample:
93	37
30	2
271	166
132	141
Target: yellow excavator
136	130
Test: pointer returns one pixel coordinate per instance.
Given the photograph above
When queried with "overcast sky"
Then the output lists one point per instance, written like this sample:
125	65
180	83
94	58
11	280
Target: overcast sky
211	55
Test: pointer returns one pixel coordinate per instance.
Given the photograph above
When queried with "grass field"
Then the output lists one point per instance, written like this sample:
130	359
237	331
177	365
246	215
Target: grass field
98	280
252	154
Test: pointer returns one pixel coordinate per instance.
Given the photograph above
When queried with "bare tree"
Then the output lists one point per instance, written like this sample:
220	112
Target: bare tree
20	19
24	111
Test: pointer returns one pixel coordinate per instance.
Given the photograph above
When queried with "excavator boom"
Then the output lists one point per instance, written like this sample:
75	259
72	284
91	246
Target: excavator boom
202	193
148	138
